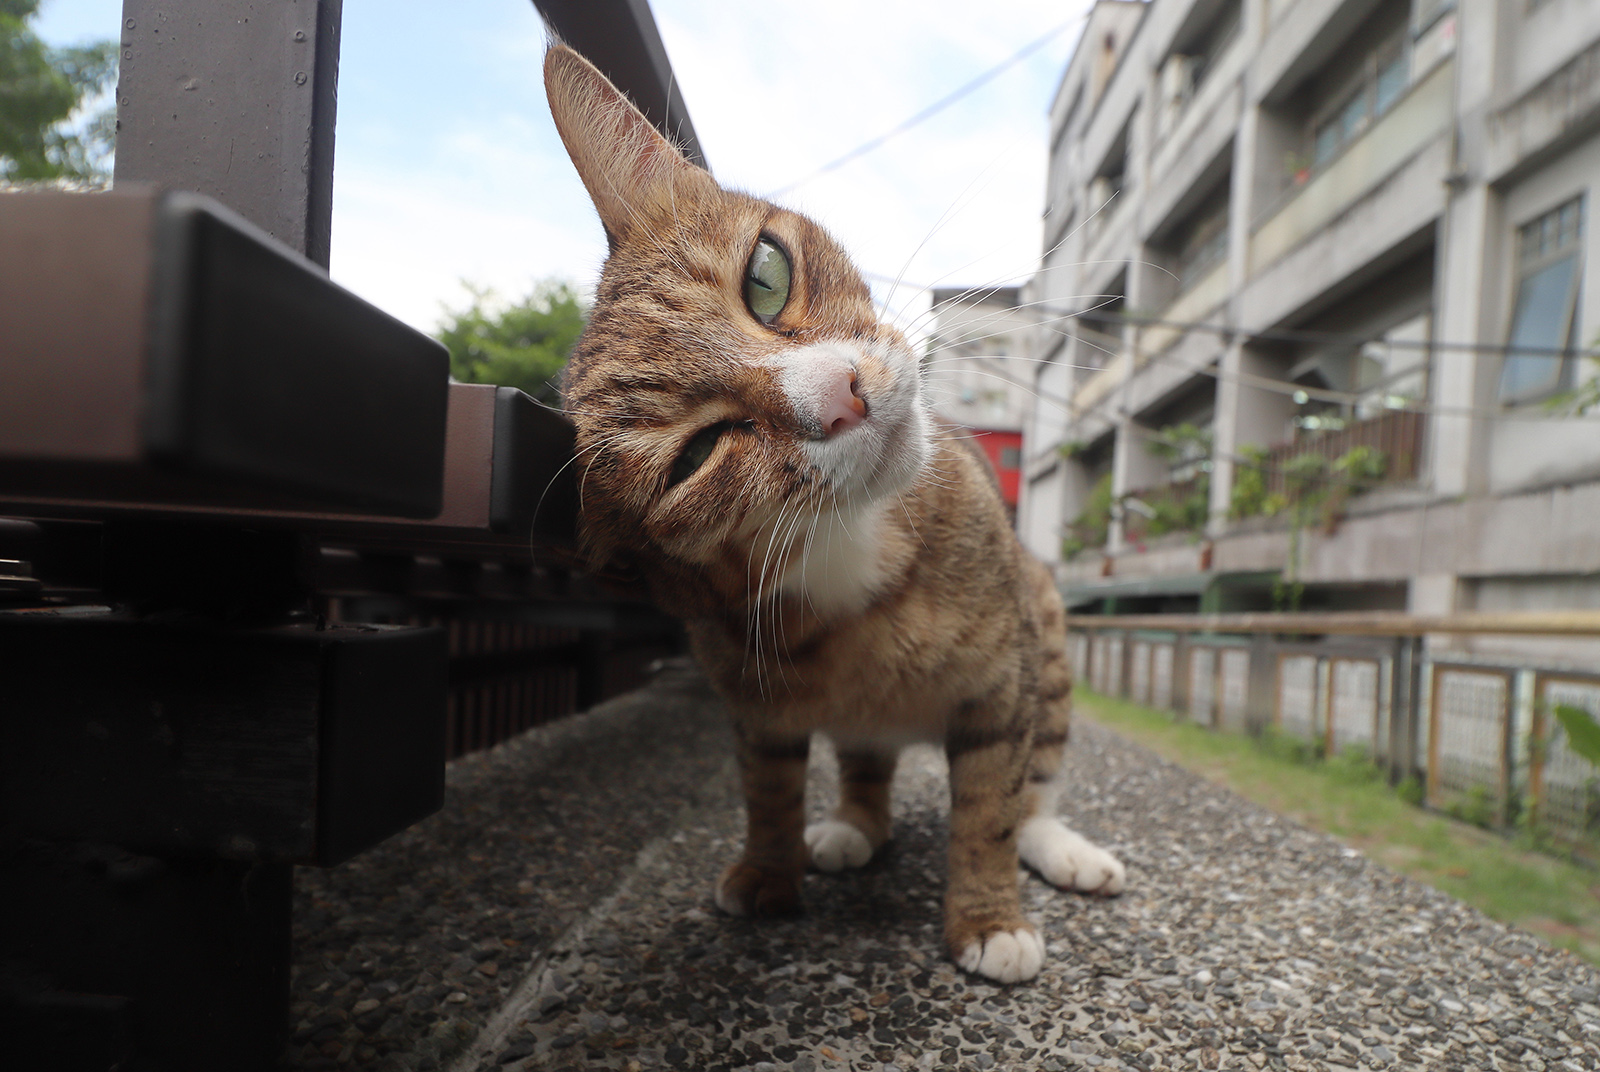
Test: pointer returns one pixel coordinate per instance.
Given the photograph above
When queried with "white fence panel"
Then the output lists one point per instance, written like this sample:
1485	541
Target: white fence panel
1297	696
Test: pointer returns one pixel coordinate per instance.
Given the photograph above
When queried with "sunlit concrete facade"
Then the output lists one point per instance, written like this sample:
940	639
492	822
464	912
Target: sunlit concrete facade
1280	216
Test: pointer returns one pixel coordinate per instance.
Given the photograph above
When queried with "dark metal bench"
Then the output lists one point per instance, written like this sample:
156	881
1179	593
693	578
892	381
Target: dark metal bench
229	492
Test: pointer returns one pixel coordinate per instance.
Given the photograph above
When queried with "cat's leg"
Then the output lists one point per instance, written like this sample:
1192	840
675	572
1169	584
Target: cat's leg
1062	856
766	879
859	826
984	927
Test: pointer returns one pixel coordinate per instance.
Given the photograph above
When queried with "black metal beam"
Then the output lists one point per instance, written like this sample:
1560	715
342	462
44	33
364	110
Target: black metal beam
235	99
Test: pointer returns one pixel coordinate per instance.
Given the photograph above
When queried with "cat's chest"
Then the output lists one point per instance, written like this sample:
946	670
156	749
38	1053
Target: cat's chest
840	564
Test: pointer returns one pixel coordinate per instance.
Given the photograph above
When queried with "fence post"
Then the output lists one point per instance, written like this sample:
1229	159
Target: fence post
1181	647
1405	700
1261	695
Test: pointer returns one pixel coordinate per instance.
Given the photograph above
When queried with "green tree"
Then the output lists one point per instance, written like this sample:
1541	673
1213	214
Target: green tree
520	344
40	90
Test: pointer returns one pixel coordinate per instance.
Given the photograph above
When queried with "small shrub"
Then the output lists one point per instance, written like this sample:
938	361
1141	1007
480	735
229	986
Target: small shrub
1090	528
1250	497
1479	807
1289	748
1353	764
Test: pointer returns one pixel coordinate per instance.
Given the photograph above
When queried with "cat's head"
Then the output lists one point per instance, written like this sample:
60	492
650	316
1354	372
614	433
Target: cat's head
734	383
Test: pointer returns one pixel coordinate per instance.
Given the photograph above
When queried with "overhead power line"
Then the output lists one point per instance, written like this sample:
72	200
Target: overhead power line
931	110
1294	335
1337	338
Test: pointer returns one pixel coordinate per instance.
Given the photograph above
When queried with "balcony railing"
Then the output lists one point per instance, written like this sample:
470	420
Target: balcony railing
1397	435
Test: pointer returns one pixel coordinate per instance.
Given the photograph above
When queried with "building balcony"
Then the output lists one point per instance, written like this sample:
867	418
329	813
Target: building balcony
1422	117
1198	146
1178	506
1395	437
1197	301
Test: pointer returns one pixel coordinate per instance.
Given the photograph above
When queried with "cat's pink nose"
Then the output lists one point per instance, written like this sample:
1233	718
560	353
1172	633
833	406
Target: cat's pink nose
843	408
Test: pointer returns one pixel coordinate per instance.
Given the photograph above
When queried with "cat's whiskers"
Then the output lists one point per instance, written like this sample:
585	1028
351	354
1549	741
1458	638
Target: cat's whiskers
1061	405
973	189
928	316
761	586
900	498
970	194
597	448
974	294
1031	269
779	618
1000	314
533	524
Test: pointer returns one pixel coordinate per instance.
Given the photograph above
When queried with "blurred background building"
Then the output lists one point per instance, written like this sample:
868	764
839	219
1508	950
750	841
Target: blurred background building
1310	318
972	375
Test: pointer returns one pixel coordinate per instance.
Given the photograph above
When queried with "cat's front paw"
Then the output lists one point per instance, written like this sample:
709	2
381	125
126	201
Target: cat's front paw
747	890
1006	956
835	845
1066	859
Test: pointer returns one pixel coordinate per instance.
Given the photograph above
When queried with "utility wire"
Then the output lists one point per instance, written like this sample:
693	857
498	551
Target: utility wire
1281	386
931	110
1348	338
1328	337
1286	387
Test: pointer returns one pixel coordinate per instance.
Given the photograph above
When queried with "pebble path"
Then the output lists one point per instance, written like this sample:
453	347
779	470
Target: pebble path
556	915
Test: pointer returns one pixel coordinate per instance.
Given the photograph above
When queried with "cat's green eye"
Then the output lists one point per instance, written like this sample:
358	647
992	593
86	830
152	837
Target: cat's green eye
766	281
696	451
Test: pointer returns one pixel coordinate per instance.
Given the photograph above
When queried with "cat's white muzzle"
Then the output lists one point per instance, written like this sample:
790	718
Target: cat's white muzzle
881	454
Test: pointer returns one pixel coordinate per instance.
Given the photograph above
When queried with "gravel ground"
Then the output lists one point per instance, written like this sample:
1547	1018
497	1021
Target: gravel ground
556	915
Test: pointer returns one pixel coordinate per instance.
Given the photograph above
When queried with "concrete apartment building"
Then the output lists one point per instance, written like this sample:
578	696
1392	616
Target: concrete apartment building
1312	227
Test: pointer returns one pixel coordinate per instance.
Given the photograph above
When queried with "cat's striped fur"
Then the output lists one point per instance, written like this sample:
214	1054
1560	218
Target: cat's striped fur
843	564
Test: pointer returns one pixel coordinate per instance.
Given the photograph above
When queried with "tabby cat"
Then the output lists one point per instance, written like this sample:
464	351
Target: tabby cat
755	444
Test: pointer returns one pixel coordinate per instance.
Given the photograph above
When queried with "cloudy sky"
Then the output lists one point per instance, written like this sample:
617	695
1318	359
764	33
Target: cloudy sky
448	167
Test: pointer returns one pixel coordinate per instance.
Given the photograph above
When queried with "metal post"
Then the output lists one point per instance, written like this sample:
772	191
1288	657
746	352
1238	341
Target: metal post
1397	710
1261	696
235	99
1181	647
1405	707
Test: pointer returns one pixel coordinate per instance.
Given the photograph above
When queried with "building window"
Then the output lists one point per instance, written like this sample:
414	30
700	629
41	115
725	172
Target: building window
1544	313
1385	74
1010	458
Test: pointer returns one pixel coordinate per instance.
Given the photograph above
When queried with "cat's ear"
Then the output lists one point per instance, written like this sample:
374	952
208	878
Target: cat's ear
630	170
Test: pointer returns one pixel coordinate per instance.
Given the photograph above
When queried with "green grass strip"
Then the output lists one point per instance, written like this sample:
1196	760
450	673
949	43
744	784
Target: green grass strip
1556	899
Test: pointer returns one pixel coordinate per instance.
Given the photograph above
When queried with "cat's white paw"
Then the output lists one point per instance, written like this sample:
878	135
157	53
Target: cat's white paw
836	845
1067	860
1005	957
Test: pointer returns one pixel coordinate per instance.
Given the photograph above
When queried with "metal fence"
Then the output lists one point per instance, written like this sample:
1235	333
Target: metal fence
1478	736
